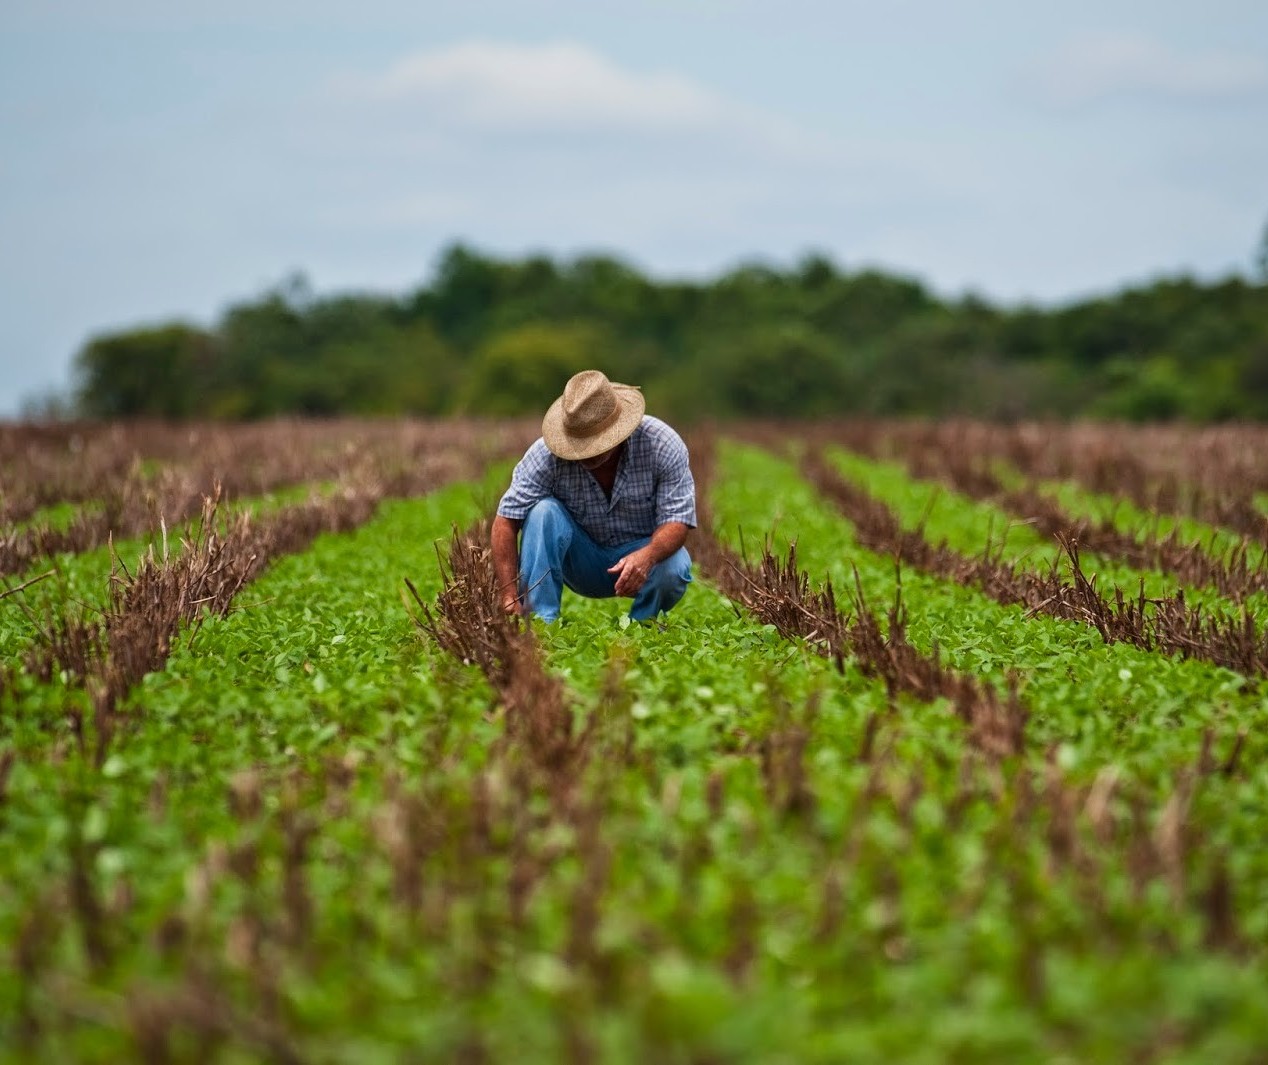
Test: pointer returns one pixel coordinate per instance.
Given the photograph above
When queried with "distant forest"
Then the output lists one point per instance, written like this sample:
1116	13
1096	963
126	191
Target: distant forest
499	337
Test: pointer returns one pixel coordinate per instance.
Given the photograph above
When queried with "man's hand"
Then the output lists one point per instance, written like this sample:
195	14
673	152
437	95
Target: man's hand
506	562
632	570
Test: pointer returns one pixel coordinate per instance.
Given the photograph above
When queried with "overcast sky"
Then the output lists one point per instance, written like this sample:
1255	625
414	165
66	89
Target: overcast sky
165	159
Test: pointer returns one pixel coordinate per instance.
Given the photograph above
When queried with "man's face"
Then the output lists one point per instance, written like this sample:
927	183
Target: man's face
600	459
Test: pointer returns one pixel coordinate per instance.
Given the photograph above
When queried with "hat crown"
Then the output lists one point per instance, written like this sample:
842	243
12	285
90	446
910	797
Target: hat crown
592	416
590	403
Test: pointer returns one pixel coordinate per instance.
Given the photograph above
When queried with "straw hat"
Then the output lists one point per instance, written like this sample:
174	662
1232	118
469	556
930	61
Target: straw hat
592	415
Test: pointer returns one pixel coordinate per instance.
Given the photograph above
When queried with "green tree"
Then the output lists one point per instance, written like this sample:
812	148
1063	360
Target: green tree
1153	390
524	369
782	369
501	336
394	370
1253	378
467	290
155	372
260	343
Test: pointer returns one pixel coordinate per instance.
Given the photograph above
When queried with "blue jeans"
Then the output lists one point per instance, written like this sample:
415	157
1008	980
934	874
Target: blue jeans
556	552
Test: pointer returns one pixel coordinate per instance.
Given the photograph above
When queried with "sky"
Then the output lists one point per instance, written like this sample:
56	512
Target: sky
161	160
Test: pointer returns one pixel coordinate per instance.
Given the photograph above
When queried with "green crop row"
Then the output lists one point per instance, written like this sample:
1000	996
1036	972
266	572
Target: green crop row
968	525
82	578
1099	700
318	661
316	836
1096	707
1128	517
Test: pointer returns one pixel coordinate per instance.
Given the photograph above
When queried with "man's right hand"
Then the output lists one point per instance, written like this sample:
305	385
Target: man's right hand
506	563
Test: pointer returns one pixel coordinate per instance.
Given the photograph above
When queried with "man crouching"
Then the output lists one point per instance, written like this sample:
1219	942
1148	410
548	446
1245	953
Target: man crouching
601	504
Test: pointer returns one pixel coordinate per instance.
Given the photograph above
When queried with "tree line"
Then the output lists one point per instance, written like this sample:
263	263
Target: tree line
499	337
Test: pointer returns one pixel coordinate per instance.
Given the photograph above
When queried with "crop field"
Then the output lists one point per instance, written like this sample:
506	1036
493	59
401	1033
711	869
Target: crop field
953	752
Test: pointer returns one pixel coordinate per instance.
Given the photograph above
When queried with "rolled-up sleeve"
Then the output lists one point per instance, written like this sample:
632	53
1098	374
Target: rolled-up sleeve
675	487
532	480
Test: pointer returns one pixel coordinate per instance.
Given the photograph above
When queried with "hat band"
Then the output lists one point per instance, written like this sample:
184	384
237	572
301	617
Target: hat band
598	427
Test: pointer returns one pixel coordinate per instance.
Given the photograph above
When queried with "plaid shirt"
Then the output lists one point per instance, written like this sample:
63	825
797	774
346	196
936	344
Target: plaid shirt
653	485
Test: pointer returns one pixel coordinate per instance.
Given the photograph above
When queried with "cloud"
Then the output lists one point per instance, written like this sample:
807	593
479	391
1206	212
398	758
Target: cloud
561	145
556	86
565	114
1100	67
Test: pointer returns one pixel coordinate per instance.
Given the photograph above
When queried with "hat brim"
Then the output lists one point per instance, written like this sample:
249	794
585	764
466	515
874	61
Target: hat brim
569	446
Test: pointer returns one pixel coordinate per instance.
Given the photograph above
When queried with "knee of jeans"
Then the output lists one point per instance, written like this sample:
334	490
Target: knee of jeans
546	512
676	569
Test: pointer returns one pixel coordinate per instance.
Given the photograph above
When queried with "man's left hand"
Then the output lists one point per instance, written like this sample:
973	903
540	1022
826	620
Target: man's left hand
631	572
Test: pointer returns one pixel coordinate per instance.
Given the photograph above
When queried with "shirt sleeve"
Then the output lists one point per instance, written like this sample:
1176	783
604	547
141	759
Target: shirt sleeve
532	480
675	486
